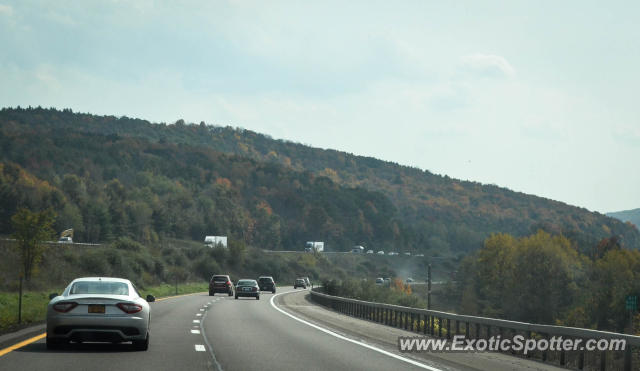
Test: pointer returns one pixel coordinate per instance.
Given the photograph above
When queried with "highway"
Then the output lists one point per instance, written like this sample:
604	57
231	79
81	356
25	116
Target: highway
278	332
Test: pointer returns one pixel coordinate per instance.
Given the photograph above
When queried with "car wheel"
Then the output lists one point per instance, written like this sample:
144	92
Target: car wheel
141	344
230	293
257	297
54	343
273	292
236	297
211	293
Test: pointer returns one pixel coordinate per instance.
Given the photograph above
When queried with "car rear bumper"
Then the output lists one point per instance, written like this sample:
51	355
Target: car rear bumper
250	294
220	289
92	328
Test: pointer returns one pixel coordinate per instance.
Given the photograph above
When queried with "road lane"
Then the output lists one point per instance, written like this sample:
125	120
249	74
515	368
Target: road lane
172	345
249	334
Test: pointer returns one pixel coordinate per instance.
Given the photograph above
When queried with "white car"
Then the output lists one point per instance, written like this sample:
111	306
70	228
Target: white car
392	253
380	252
99	309
65	240
369	251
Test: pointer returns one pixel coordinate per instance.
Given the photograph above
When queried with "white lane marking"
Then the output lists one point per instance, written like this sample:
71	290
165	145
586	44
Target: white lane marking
200	348
198	314
202	309
195	331
196	321
382	351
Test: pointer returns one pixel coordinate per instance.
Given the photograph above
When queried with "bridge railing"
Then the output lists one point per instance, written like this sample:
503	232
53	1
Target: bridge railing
447	325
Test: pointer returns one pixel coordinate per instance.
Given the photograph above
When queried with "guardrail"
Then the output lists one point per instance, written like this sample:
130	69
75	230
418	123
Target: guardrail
58	243
444	324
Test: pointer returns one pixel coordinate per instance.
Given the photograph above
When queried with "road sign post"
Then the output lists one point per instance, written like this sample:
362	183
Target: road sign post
632	307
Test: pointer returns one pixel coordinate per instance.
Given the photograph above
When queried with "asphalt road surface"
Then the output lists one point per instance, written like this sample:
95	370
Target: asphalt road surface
278	332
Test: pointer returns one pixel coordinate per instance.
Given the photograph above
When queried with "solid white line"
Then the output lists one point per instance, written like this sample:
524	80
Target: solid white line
202	309
382	351
195	331
196	321
198	314
200	348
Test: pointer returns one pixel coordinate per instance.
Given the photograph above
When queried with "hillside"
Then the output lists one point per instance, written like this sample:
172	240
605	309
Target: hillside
421	210
631	216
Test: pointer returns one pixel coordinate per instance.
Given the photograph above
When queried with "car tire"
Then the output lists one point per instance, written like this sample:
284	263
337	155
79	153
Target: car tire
273	291
211	293
54	343
230	293
236	297
257	297
141	345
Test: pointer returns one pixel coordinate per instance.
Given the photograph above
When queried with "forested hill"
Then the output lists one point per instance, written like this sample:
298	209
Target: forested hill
431	212
632	216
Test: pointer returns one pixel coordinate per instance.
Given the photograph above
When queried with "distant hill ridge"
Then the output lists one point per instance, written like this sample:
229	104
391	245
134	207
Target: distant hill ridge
445	214
632	216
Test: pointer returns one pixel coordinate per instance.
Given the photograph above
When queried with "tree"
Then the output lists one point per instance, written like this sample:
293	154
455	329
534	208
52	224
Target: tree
30	229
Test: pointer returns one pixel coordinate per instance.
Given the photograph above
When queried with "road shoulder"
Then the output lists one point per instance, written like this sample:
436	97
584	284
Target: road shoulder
299	304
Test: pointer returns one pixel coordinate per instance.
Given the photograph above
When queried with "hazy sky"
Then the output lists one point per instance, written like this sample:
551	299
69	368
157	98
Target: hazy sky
537	96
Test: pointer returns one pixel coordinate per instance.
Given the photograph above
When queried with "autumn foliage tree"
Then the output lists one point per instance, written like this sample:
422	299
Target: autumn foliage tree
30	230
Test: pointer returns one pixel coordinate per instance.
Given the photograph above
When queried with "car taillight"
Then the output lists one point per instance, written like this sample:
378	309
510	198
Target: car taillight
129	308
64	306
254	289
228	283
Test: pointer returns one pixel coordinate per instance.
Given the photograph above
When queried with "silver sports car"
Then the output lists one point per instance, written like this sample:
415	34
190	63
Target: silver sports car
99	309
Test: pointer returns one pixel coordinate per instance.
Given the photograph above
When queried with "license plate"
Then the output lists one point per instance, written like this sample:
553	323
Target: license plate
96	308
246	289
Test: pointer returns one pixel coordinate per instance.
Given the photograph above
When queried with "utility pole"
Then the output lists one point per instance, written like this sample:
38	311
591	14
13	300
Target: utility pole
429	286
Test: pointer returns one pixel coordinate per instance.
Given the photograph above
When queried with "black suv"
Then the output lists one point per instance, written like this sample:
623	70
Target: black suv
267	283
220	283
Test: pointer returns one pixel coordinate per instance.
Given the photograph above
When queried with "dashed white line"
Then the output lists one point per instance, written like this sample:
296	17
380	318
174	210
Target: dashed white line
202	309
200	348
195	331
198	314
196	321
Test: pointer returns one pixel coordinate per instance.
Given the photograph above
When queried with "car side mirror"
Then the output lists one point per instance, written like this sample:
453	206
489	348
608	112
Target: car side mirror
151	298
51	296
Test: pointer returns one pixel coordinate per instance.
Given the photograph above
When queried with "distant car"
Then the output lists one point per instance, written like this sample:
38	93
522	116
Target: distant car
419	255
407	254
387	281
307	281
392	253
65	240
369	251
380	252
220	283
246	287
379	281
266	283
409	280
99	309
299	283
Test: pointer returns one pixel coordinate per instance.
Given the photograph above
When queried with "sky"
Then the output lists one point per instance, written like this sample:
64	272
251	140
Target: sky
536	96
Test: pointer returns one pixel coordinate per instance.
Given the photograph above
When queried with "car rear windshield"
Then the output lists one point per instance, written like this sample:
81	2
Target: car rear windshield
99	287
220	278
246	283
265	280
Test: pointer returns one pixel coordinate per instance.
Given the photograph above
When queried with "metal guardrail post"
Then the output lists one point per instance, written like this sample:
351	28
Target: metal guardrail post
627	358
